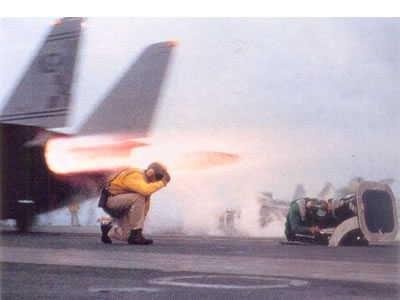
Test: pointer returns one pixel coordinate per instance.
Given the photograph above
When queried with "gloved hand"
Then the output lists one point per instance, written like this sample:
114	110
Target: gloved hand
166	178
314	229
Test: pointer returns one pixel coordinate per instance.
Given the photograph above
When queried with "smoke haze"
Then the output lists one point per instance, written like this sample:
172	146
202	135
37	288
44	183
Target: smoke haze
271	161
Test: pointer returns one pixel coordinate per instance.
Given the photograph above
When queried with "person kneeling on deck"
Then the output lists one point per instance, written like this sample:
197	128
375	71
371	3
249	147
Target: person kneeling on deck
126	198
306	218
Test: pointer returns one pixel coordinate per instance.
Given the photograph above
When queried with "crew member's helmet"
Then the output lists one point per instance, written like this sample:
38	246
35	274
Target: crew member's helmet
322	208
318	206
159	170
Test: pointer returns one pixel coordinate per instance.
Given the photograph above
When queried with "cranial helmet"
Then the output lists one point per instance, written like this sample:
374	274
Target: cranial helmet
158	168
319	206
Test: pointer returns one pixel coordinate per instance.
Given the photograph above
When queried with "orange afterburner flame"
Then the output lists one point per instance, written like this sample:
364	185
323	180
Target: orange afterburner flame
183	151
178	161
71	155
201	160
177	150
173	43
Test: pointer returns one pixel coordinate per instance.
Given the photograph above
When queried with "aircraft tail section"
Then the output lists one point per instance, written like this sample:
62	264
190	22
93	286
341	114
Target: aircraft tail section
299	192
130	105
326	192
42	97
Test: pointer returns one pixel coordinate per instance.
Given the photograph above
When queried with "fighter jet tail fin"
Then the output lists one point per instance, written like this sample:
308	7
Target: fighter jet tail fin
326	192
299	192
130	105
42	97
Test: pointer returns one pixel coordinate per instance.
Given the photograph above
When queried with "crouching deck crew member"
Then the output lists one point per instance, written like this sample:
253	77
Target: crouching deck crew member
126	198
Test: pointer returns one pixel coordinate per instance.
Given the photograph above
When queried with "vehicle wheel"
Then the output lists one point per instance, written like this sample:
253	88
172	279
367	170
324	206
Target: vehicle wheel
354	238
25	215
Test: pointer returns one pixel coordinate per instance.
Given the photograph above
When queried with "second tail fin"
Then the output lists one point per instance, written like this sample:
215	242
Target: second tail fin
130	105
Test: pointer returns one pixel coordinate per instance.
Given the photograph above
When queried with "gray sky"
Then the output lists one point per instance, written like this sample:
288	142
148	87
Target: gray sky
314	95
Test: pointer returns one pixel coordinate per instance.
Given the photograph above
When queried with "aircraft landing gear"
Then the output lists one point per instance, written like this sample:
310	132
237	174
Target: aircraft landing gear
25	214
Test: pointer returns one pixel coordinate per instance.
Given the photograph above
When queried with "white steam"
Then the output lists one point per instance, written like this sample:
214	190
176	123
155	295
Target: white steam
271	161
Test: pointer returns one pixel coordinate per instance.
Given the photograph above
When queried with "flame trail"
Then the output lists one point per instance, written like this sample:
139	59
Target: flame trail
89	153
72	155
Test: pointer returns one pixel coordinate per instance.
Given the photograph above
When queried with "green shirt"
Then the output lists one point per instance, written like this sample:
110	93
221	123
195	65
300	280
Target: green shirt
310	219
294	218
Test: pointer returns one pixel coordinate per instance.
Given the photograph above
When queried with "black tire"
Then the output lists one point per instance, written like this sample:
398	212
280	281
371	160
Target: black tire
354	238
25	215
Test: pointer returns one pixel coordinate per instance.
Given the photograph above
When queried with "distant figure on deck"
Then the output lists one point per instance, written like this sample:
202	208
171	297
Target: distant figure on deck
73	209
306	218
127	199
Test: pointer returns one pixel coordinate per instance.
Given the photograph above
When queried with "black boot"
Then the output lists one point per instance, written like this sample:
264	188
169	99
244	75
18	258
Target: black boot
137	238
105	228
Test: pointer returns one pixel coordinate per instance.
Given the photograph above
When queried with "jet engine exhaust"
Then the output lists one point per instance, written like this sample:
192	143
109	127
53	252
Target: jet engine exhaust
93	154
205	160
89	153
